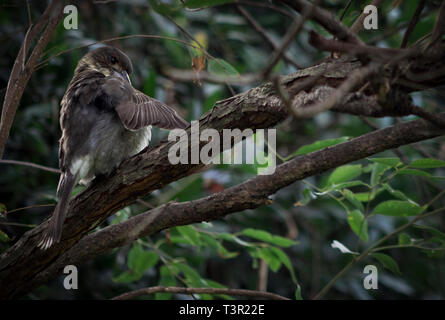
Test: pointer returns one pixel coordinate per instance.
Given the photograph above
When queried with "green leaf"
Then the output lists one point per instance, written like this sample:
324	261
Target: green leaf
285	261
368	196
438	234
298	293
358	224
396	193
387	262
414	172
404	239
222	67
167	279
195	4
344	173
398	208
269	257
427	163
127	276
377	173
193	278
217	246
319	145
190	234
4	237
340	186
390	162
140	260
235	239
352	198
307	197
267	237
161	8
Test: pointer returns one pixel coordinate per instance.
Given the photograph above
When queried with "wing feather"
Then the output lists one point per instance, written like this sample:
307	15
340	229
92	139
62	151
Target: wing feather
140	111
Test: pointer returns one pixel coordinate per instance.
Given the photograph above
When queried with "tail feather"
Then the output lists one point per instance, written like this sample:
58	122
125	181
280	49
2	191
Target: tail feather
54	231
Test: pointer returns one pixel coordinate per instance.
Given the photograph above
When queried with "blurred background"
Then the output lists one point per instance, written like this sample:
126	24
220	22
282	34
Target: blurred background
221	253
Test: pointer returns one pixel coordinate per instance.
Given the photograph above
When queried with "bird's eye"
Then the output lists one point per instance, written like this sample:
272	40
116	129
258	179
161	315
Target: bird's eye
113	60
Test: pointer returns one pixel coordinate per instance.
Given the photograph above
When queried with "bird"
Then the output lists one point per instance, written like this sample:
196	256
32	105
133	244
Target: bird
104	120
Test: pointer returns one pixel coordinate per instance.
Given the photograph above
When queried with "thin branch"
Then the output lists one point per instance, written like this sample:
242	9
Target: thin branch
371	52
263	33
30	164
288	38
29	207
325	19
231	292
412	23
267	6
439	27
348	5
44	62
20	76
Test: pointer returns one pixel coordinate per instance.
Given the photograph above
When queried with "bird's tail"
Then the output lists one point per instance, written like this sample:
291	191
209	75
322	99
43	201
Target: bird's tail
54	231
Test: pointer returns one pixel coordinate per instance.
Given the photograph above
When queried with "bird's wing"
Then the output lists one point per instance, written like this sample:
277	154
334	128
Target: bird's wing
140	110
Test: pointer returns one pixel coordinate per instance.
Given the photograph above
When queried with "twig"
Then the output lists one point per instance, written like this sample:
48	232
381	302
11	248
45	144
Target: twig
290	35
30	164
267	6
284	96
20	76
264	35
412	23
371	52
439	27
42	63
325	19
431	117
232	292
346	9
29	207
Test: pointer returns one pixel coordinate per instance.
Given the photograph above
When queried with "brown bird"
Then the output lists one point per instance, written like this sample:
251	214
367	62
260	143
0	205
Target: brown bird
104	120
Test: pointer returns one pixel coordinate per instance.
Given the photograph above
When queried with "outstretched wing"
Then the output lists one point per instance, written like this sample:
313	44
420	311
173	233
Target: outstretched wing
140	110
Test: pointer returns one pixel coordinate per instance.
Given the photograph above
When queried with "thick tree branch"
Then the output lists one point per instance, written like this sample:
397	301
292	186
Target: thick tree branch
248	195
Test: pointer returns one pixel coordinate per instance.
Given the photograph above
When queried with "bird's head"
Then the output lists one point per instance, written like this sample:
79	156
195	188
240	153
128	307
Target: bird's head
109	61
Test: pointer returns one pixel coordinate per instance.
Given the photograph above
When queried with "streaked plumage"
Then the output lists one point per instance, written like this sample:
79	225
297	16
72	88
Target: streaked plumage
104	120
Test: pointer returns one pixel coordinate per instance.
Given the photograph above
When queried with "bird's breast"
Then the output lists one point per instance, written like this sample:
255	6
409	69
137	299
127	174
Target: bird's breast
109	143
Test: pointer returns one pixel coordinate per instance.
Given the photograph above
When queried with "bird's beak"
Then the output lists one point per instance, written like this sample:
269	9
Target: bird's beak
123	74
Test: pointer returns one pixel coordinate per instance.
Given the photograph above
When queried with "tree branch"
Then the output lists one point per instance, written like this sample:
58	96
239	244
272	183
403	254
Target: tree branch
325	19
21	72
248	195
231	292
